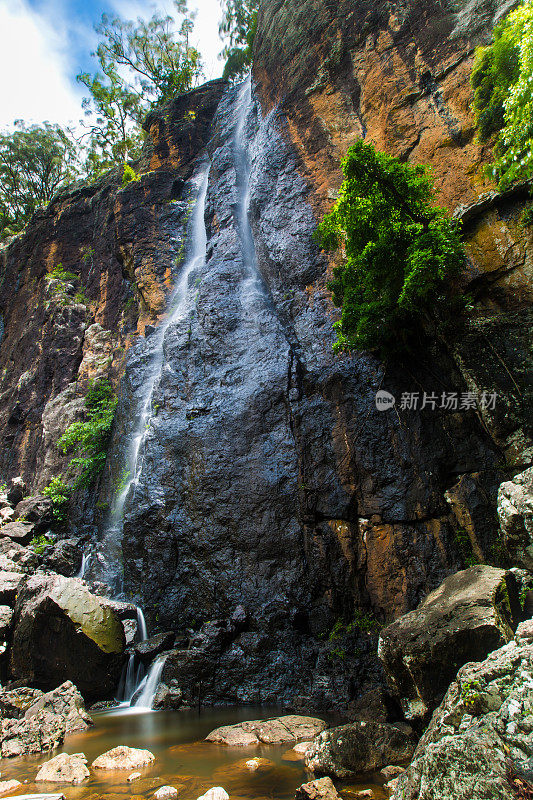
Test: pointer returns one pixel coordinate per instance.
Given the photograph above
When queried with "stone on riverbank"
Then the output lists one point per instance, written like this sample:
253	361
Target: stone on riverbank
64	769
8	787
39	721
362	746
279	730
320	789
216	793
166	793
470	614
123	757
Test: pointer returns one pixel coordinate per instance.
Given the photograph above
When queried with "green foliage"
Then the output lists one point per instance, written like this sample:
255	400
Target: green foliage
89	439
238	27
39	543
141	64
526	218
35	161
81	297
471	695
502	80
59	493
399	252
364	621
527	586
59	274
129	175
465	545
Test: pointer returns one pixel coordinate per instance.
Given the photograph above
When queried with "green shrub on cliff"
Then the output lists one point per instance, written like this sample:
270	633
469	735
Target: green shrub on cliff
59	493
502	79
89	439
398	252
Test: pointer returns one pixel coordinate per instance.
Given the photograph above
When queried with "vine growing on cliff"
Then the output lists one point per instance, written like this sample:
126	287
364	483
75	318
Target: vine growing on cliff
398	252
88	439
502	80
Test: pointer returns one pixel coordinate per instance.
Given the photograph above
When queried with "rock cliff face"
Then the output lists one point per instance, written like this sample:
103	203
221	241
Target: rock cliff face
270	491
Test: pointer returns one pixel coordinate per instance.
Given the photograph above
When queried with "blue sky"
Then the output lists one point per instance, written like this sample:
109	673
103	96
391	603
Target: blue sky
45	43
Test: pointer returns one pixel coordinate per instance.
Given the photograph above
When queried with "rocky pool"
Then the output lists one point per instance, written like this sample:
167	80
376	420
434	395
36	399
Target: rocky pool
183	759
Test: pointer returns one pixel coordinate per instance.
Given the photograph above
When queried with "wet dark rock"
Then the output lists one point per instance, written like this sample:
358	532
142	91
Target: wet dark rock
147	650
63	632
168	696
470	614
515	510
64	557
6	615
360	747
41	721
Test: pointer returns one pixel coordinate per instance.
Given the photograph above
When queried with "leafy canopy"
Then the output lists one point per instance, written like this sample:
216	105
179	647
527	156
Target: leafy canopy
502	79
238	27
398	251
89	439
141	64
35	160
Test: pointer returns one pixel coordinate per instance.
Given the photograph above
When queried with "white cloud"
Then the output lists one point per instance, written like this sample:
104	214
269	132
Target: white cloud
34	67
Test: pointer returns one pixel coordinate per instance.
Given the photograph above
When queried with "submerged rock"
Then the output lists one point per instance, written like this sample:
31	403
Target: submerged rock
362	746
321	789
279	730
484	719
41	721
62	631
64	769
7	787
470	614
123	757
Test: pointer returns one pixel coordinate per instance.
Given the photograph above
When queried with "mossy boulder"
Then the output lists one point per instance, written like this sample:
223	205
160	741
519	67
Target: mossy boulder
471	613
63	632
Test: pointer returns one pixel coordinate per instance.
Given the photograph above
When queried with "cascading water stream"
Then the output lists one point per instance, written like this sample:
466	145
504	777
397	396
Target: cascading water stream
106	561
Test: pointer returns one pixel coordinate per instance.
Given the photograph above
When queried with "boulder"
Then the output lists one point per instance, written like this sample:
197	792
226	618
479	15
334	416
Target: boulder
63	632
470	614
362	746
64	557
45	722
481	728
320	789
19	531
147	650
10	582
6	615
279	730
123	757
64	769
168	696
14	702
216	793
25	558
36	509
515	510
16	491
166	793
134	777
8	787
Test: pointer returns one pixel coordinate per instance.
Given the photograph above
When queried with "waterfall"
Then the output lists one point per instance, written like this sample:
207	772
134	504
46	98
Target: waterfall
142	633
107	564
148	686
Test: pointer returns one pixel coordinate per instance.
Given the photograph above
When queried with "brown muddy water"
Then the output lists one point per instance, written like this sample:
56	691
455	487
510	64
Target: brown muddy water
182	760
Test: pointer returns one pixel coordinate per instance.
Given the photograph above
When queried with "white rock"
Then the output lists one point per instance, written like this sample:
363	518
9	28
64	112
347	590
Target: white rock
8	787
134	777
64	769
302	747
216	793
166	793
123	757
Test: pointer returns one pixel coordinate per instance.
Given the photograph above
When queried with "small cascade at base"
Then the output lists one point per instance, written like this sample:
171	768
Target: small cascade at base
148	686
